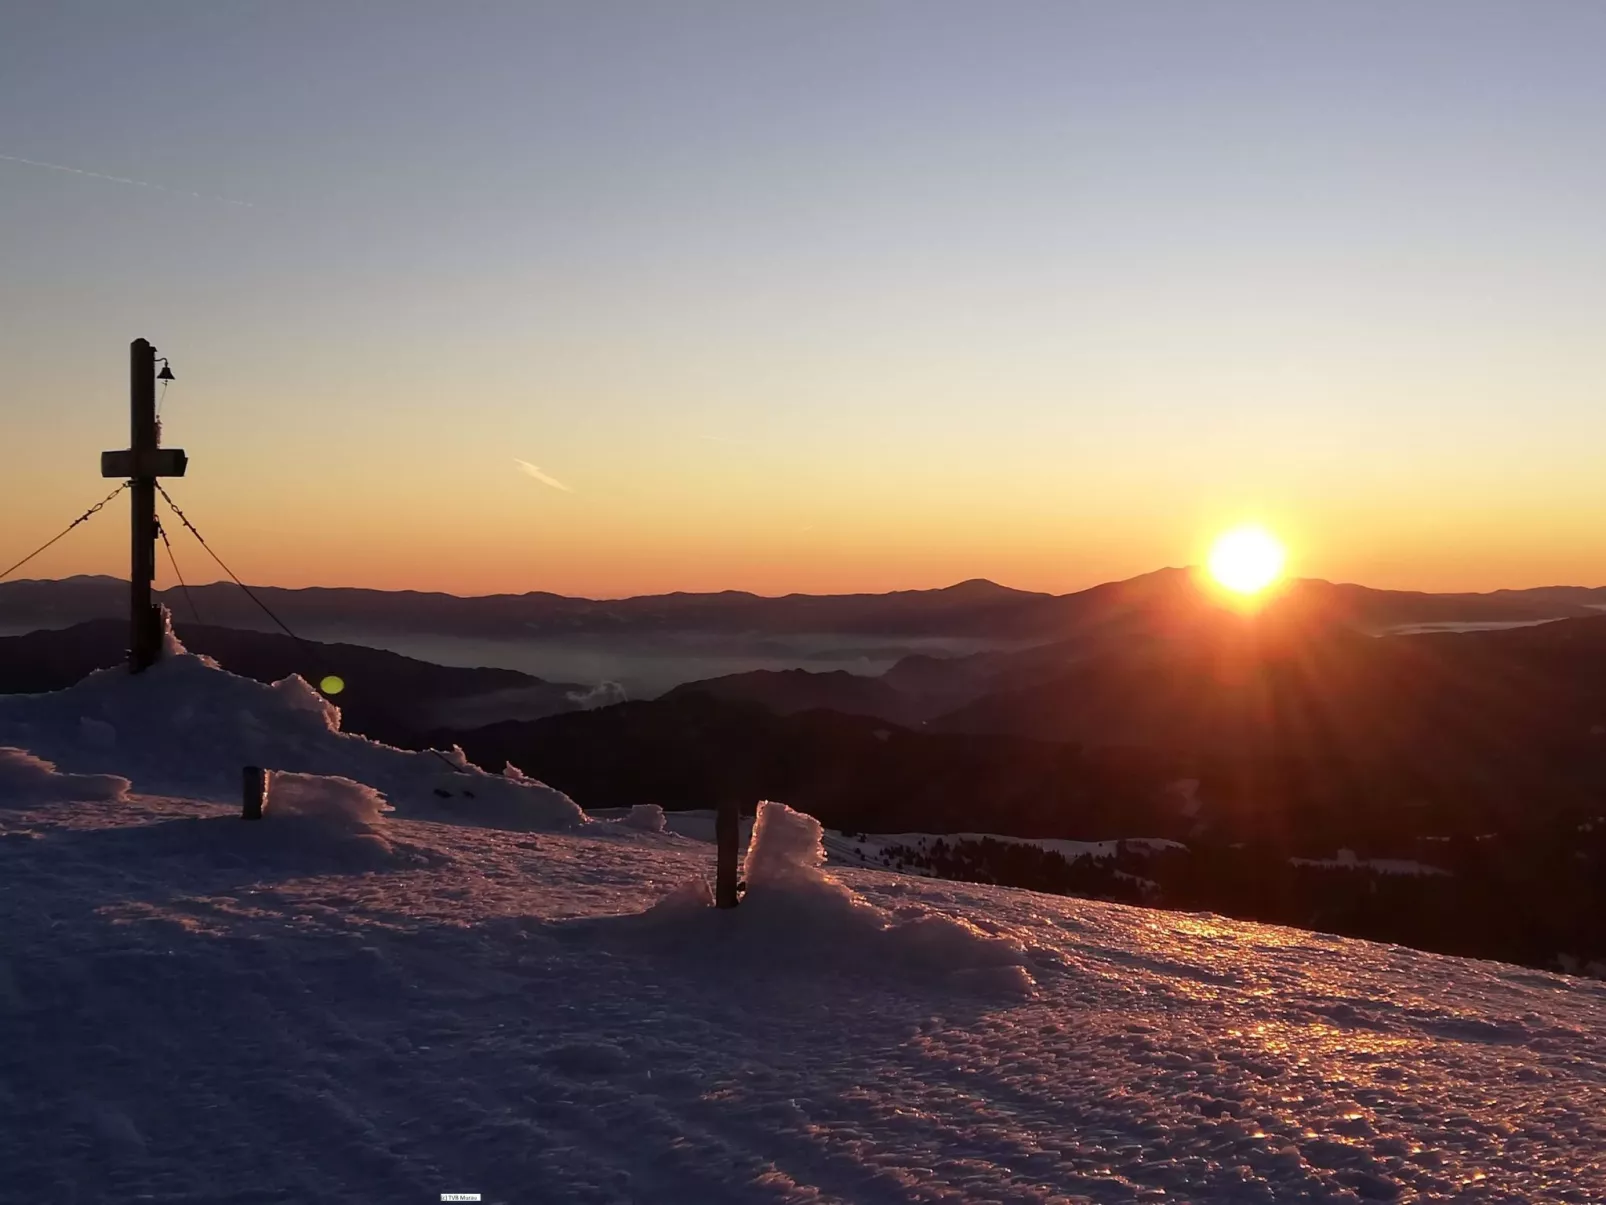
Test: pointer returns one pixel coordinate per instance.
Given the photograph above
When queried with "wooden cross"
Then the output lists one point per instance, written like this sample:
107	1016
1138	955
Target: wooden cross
142	462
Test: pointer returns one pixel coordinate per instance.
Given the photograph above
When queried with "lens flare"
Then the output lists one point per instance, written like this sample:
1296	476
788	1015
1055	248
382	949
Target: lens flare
332	685
1247	559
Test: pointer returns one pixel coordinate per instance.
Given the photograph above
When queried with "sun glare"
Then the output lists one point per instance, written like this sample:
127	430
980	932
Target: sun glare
1247	559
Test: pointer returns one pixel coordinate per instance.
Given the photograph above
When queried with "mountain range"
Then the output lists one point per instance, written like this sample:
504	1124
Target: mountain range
976	608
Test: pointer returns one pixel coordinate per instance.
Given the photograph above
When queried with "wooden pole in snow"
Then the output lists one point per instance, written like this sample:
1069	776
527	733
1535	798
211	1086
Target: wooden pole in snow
253	793
727	832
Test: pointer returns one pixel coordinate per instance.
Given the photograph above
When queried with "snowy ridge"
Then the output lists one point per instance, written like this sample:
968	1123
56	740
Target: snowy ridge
186	727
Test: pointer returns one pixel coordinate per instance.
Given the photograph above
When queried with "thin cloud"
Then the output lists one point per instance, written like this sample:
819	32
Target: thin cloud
543	478
79	171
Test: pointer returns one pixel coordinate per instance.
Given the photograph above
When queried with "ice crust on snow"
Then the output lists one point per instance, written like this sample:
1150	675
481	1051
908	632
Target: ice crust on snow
25	778
795	918
185	726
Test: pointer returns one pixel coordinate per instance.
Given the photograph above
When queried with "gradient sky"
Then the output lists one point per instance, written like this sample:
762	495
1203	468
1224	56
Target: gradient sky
813	296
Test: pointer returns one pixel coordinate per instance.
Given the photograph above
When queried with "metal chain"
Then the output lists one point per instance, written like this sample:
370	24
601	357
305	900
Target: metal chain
80	519
312	653
177	572
184	519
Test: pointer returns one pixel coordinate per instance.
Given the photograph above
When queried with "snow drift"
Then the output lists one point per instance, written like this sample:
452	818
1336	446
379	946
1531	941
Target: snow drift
646	817
185	726
795	916
325	801
25	778
331	815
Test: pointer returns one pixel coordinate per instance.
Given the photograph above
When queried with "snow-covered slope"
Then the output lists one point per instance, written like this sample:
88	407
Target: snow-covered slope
198	1009
345	1004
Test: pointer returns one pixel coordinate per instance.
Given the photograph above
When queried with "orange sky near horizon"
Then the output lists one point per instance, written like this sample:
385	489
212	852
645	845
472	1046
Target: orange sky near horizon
504	533
810	500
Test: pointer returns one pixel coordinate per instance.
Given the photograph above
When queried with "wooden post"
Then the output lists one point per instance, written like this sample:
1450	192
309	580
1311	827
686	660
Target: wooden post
145	635
254	793
727	832
142	463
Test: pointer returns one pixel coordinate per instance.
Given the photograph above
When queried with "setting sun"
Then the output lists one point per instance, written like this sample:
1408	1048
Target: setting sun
1247	559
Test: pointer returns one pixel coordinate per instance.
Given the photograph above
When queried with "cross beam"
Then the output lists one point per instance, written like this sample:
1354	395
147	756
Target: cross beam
142	462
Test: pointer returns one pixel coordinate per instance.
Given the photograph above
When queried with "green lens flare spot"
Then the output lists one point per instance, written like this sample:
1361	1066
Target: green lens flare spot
332	685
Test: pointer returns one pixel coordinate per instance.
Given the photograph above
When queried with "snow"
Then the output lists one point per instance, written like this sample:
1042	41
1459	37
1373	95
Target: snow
787	852
647	817
695	823
26	778
325	801
343	1003
512	1016
796	913
186	727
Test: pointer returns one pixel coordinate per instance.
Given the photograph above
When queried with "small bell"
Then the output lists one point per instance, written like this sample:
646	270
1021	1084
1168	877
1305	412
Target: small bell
166	374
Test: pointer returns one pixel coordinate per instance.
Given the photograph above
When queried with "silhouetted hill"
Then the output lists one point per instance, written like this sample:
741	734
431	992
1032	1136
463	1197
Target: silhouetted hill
694	750
1510	830
34	603
1242	681
786	691
1172	610
386	695
1467	726
976	609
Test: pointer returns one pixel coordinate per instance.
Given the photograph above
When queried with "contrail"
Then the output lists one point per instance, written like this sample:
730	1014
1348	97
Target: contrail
543	478
78	171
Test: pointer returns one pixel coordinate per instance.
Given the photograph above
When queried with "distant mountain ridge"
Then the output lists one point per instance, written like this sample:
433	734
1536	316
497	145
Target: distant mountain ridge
974	608
786	691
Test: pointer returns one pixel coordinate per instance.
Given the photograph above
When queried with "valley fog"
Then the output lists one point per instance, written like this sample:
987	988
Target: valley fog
648	666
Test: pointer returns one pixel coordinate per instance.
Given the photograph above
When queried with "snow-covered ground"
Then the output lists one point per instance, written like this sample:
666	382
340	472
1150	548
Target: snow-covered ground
345	1004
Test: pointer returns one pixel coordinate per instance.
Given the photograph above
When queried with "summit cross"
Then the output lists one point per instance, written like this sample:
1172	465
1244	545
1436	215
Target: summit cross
142	462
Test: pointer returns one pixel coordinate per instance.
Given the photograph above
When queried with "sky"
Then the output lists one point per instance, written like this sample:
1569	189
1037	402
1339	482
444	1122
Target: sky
609	298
